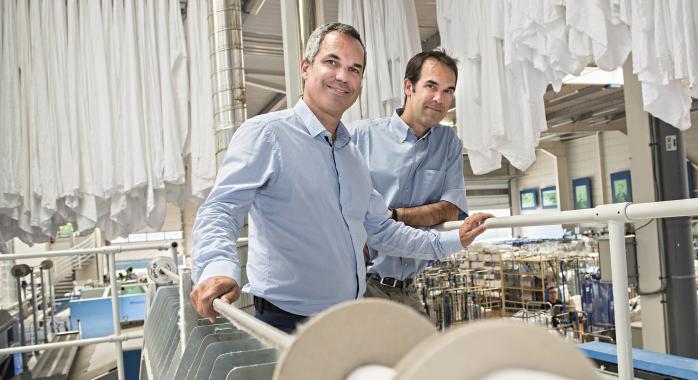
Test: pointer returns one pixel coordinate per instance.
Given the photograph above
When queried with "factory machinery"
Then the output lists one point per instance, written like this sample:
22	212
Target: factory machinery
369	339
374	339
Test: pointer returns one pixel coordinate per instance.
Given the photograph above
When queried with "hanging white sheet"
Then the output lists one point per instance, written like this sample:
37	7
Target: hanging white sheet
94	111
510	50
202	140
389	32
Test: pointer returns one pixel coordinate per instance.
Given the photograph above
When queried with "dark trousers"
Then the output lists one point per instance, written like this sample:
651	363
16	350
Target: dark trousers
267	312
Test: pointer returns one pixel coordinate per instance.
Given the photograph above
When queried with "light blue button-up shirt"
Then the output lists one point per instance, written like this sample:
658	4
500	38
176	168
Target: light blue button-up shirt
409	172
312	207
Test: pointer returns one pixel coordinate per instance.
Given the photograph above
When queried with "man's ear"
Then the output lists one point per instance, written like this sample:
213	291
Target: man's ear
407	87
305	65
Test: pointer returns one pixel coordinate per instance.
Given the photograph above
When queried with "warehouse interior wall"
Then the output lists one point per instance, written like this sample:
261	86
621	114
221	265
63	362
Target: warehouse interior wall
595	156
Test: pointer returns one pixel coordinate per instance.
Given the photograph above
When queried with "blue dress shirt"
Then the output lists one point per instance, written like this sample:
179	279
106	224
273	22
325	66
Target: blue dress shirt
312	207
409	172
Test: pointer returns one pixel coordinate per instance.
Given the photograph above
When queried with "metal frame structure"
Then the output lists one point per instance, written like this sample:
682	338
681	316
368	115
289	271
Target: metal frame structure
615	215
117	337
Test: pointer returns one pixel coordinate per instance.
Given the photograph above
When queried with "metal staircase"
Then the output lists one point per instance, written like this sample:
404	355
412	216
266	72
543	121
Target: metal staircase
66	266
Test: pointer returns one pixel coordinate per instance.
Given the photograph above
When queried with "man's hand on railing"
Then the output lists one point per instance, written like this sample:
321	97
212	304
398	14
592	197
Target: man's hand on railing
203	294
472	227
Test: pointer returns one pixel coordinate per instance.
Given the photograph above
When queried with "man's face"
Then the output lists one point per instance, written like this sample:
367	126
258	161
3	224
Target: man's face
552	295
428	100
333	80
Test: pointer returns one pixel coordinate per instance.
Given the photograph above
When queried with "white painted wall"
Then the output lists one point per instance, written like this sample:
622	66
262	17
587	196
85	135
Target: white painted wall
542	173
616	157
582	161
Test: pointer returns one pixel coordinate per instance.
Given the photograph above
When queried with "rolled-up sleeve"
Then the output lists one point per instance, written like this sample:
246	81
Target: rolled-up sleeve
396	239
251	162
454	184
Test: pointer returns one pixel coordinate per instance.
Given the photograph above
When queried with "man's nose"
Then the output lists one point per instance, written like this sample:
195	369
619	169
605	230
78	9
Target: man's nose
439	97
341	74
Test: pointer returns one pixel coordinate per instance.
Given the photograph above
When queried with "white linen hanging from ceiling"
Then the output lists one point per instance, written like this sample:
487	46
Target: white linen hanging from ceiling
13	179
94	108
202	141
510	50
391	36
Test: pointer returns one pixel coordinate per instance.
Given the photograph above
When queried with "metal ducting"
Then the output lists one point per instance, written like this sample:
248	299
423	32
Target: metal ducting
227	70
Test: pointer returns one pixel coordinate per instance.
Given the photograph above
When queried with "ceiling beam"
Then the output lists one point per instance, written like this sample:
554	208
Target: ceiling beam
612	125
258	71
265	85
560	100
586	110
432	42
273	104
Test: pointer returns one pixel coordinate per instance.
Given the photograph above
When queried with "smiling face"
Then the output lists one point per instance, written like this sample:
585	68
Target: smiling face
427	101
333	79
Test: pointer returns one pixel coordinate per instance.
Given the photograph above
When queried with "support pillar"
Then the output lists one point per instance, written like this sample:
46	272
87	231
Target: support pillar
649	264
680	276
293	45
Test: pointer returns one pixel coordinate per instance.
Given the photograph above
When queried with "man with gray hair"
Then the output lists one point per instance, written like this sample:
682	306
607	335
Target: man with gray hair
310	200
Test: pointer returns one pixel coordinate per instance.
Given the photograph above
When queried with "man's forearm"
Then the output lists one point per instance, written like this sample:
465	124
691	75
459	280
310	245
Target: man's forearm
428	215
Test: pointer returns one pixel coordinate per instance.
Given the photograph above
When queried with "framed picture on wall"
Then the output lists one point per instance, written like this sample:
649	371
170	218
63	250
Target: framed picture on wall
548	197
581	193
621	187
528	199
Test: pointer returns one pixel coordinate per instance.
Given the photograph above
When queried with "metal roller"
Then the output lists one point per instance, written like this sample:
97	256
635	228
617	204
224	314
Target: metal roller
161	263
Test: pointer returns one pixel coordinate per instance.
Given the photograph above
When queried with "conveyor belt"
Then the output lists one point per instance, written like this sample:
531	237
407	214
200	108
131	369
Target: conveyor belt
666	366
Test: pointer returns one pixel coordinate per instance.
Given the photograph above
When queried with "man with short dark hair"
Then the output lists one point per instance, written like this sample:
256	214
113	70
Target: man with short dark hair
310	200
416	164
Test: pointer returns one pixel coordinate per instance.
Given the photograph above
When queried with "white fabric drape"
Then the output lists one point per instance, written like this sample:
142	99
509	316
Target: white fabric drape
203	135
389	32
510	50
94	115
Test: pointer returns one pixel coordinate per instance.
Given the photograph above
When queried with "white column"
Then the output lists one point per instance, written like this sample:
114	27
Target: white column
292	51
115	315
641	169
616	235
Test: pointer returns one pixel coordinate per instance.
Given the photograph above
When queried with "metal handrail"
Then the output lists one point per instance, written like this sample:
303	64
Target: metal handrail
615	215
117	338
72	343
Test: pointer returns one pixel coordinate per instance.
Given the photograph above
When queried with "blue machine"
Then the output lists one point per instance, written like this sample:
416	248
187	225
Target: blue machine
647	364
95	315
597	302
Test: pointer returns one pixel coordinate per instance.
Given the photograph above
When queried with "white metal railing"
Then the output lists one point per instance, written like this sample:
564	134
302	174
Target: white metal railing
614	215
117	337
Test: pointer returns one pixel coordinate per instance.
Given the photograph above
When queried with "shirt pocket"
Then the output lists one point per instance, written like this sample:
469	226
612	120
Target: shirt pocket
428	185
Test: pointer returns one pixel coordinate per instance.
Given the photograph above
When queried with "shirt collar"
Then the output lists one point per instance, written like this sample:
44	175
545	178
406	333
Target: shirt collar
401	130
314	127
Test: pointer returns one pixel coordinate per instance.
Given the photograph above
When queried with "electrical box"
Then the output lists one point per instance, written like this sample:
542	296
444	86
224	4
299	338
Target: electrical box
630	259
